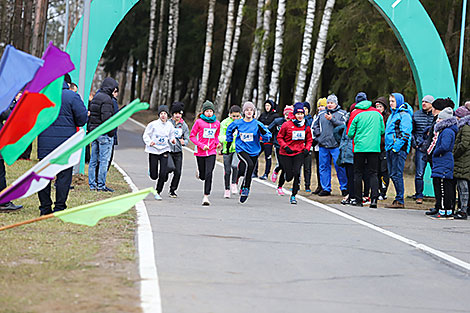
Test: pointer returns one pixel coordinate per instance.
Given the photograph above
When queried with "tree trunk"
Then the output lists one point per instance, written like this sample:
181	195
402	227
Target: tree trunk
278	45
27	25
319	57
305	53
40	19
206	65
450	26
166	71
17	24
176	17
150	51
133	78
263	59
156	76
123	81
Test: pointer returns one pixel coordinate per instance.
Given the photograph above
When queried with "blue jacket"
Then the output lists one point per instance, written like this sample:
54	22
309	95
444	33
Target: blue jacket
72	114
309	120
421	122
442	157
248	136
346	155
399	126
274	128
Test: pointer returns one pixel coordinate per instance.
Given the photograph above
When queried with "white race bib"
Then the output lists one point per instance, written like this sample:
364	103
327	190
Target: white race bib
298	135
178	132
160	141
246	137
209	133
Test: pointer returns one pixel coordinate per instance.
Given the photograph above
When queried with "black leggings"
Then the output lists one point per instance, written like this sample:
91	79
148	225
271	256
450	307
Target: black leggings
292	166
246	167
161	175
205	166
444	191
279	169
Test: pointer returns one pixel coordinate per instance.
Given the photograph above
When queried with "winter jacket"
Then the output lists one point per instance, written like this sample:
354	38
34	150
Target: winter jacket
442	158
366	126
399	127
275	127
346	155
72	114
323	128
421	122
102	106
248	136
161	134
297	138
181	132
268	117
309	120
205	134
223	130
462	150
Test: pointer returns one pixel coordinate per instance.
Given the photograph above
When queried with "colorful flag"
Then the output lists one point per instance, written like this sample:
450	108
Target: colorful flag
37	178
17	68
110	124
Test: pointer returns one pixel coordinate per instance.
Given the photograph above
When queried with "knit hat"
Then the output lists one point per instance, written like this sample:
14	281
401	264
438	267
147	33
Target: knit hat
299	108
462	112
361	96
306	105
428	99
382	100
273	105
446	113
163	108
321	102
287	110
177	107
248	105
332	98
208	106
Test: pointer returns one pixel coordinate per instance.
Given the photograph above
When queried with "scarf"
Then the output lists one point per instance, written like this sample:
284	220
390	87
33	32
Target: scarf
299	123
211	119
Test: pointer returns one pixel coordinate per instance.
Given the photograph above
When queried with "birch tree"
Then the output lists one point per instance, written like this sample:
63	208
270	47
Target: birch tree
206	65
278	45
176	13
150	51
169	46
254	57
264	55
227	46
305	53
40	19
319	57
156	77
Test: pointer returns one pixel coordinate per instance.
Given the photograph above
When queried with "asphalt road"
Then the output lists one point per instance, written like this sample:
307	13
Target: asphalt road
269	256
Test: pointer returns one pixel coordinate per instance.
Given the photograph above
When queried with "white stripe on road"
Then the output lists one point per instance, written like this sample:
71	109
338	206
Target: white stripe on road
149	288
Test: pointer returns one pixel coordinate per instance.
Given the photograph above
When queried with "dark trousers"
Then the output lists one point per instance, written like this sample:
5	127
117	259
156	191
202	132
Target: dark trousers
62	187
160	175
307	169
279	170
317	166
383	177
205	166
350	174
444	192
267	148
246	167
178	161
360	159
3	181
292	166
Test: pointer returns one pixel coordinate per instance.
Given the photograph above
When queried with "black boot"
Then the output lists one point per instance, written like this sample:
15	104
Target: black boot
373	203
317	191
432	211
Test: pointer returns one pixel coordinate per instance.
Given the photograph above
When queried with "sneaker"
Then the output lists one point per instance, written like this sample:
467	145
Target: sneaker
307	190
293	200
365	200
460	215
234	189
381	198
395	205
10	207
344	193
264	177
419	201
227	194
205	200
244	195
354	202
106	189
324	193
158	197
274	176
173	194
346	201
373	204
317	191
443	215
45	211
279	191
432	211
254	176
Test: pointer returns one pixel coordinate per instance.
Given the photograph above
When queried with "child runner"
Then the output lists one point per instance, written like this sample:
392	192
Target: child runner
230	158
157	137
295	139
182	139
247	144
205	135
267	118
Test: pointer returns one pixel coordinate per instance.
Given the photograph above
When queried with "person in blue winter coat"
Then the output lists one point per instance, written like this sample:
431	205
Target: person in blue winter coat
307	165
247	145
398	144
442	173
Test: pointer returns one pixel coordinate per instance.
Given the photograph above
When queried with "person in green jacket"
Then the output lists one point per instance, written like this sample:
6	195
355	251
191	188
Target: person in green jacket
462	160
230	158
366	127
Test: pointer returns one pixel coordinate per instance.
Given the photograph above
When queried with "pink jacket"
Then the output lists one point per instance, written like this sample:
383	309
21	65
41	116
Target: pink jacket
205	134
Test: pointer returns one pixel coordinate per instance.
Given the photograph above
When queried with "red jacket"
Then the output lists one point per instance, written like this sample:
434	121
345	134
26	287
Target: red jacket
297	138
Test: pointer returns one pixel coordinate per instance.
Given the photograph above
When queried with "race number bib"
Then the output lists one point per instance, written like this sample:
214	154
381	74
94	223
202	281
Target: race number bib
209	133
246	137
178	132
160	141
298	135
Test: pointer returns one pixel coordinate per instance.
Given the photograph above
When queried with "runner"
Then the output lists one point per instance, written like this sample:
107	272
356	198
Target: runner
247	145
205	135
230	158
267	118
157	137
295	139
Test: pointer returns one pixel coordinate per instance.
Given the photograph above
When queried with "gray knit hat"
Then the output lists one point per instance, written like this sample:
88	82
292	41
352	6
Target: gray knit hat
428	99
208	106
446	114
248	105
332	98
163	108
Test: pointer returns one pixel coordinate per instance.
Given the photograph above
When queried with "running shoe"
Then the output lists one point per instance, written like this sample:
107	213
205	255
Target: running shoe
293	200
280	192
227	194
234	188
158	197
205	200
274	176
264	177
366	200
244	194
173	194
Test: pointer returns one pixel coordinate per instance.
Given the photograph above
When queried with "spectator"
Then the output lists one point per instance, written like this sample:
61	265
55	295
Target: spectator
462	160
381	104
267	117
346	159
307	164
321	105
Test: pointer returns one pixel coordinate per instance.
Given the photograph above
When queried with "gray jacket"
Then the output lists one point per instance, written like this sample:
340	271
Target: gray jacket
323	129
181	132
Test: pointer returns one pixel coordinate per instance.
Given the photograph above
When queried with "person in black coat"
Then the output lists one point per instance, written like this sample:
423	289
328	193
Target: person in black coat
72	114
267	118
101	109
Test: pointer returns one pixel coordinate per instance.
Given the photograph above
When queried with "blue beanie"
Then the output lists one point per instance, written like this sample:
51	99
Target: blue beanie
307	105
299	108
361	96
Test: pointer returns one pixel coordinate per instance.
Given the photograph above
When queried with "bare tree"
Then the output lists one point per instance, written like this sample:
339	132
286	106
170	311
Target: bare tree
263	59
18	24
278	45
150	51
167	69
176	14
156	77
40	19
27	25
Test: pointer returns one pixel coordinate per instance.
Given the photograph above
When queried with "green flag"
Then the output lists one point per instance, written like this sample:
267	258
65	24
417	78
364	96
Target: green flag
113	122
90	214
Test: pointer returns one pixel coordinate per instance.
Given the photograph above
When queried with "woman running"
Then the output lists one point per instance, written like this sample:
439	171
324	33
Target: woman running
295	140
247	145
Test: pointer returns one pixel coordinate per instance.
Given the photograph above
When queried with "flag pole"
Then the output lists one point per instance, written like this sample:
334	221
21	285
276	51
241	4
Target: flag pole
462	41
66	28
37	219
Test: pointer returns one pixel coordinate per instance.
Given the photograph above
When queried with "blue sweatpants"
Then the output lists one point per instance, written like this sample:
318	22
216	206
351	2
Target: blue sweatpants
326	154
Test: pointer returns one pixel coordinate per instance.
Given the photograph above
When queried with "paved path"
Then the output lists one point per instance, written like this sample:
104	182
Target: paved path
270	256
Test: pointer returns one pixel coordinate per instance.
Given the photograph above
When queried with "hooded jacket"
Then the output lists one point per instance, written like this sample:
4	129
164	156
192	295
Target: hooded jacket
161	134
421	122
205	134
442	157
366	126
399	126
248	136
346	155
297	138
275	127
323	128
223	130
181	132
268	117
101	106
462	150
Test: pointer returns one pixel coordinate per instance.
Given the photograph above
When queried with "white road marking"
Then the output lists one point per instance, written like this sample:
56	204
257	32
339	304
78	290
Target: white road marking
396	3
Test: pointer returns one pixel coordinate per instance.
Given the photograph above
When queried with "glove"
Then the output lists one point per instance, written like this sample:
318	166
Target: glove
306	152
261	130
288	150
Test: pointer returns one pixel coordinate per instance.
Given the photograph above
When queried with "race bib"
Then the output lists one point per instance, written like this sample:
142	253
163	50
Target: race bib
209	133
298	135
160	141
178	132
246	137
